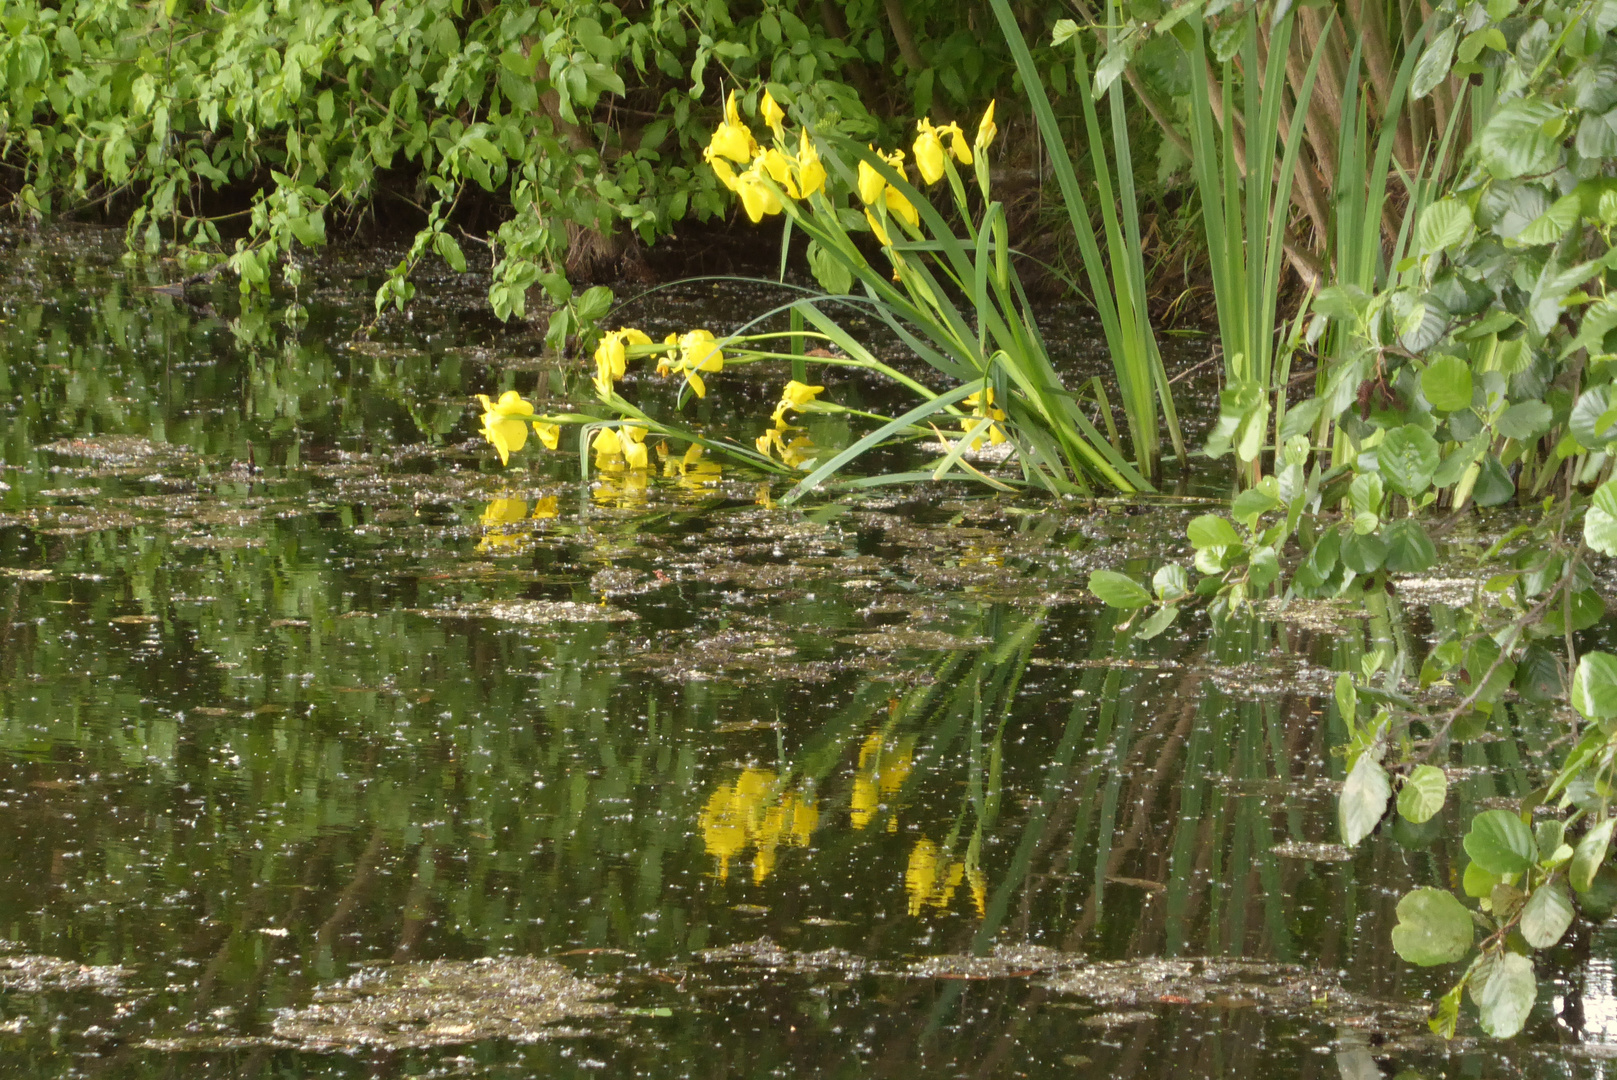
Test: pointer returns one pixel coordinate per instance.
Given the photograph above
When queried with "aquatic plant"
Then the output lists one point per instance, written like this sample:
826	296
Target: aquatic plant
1007	388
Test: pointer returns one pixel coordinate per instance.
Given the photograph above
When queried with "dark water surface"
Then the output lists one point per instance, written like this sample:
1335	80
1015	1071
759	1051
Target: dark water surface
328	748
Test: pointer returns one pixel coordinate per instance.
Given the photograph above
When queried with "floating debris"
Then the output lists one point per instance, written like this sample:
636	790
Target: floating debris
26	575
115	449
532	612
28	972
1302	849
444	1003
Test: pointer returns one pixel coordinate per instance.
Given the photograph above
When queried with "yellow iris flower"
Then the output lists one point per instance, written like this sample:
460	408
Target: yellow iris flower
698	352
758	199
549	434
898	204
810	172
505	423
928	152
793	397
982	405
772	113
878	229
871	183
732	139
986	130
612	358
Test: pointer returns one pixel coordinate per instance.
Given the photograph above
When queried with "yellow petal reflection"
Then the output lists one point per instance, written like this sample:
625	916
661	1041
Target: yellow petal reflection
754	811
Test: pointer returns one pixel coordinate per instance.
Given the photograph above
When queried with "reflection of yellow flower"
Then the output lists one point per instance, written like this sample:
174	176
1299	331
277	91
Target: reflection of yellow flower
883	767
505	511
979	889
505	422
753	811
621	489
929	879
546	507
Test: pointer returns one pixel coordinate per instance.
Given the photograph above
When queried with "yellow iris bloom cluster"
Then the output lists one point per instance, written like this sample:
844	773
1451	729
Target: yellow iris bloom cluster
754	812
793	398
982	406
769	172
612	357
505	424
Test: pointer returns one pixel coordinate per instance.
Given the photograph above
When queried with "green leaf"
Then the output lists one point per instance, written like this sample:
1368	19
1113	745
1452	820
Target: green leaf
1444	224
1515	141
1591	422
1546	916
1118	590
1364	799
1494	487
1409	549
1446	382
1500	843
1600	523
1525	420
1170	582
1159	621
1590	854
1447	1016
1364	554
1347	698
1423	793
1407	458
1504	989
1434	64
1594	686
1433	928
1210	531
1551	225
1478	882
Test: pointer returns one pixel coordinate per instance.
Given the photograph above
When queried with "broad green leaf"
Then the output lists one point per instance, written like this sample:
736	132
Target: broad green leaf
1118	590
1515	142
1525	420
1364	799
1158	622
1594	686
1407	458
1433	928
1590	853
1591	422
1423	793
1444	224
1546	916
1170	582
1446	382
1447	1016
1363	554
1500	843
1600	522
1211	530
1504	989
1478	882
1434	64
1494	487
1550	226
1409	549
1347	697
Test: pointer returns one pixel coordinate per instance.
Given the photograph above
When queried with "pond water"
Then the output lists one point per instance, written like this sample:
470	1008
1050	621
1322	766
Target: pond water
330	749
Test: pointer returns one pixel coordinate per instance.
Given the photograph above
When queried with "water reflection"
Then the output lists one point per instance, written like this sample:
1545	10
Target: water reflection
291	687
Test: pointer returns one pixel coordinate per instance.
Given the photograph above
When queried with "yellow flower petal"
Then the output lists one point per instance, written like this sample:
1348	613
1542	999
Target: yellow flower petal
871	183
772	113
929	154
986	130
549	434
810	172
898	204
